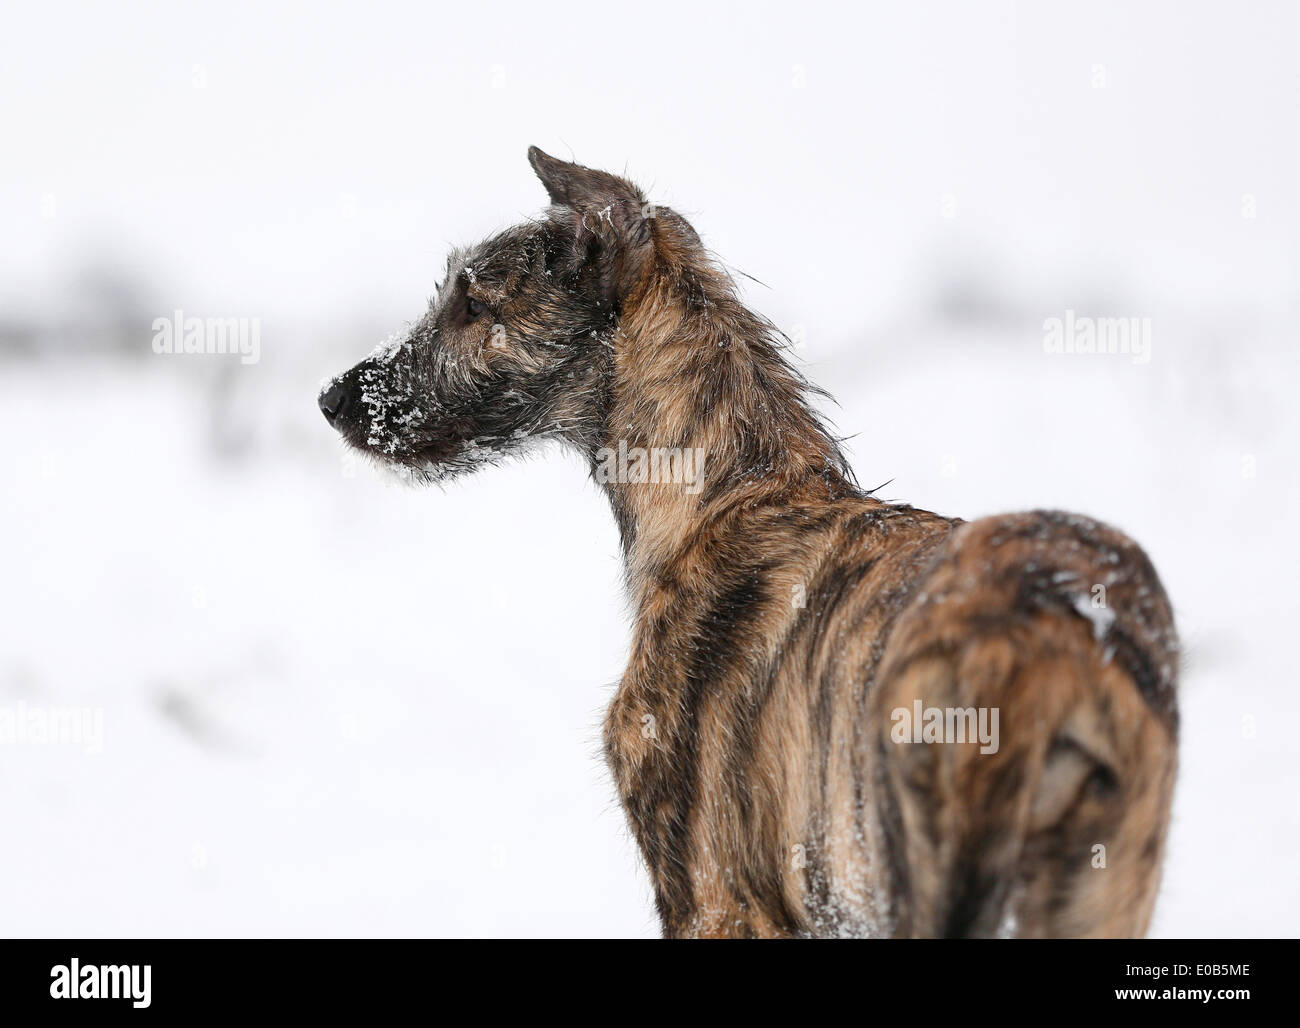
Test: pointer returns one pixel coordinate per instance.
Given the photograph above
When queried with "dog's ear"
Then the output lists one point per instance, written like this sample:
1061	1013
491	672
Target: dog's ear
610	215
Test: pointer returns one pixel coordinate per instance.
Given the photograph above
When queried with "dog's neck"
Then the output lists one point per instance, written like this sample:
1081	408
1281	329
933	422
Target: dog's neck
702	395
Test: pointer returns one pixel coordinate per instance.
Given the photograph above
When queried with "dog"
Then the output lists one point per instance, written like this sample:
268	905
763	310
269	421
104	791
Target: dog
841	717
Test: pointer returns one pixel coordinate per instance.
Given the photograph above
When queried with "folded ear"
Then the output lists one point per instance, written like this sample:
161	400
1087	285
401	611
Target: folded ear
572	185
611	215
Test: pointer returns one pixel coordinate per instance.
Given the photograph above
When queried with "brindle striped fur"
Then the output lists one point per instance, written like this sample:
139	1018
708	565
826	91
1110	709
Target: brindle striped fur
750	735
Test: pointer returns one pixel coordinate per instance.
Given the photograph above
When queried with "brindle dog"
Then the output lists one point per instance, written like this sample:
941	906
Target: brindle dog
794	740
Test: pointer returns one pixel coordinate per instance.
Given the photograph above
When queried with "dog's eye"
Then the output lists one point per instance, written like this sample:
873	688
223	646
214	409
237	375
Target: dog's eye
476	307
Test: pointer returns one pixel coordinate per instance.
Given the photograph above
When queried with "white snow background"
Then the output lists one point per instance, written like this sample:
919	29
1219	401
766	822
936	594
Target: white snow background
332	706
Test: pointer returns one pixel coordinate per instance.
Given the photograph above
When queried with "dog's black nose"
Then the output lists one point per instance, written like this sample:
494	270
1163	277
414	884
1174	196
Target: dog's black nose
333	402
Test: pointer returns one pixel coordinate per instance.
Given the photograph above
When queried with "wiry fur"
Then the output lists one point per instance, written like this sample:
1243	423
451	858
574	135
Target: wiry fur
782	613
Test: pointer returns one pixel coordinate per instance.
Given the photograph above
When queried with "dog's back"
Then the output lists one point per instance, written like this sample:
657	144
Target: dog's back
809	783
1060	624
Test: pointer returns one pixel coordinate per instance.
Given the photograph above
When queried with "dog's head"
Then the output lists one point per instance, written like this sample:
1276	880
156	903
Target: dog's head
516	345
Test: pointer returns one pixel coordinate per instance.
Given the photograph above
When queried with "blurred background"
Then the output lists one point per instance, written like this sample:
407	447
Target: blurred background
330	705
